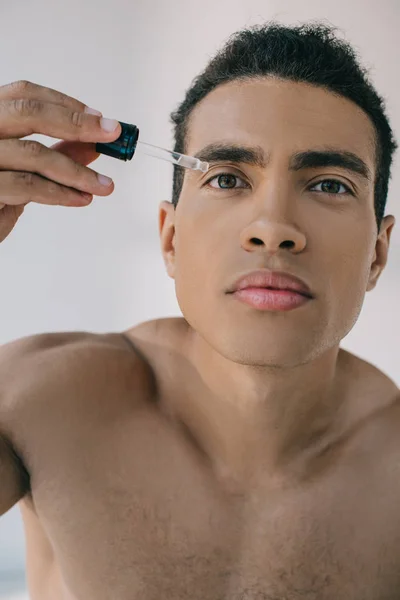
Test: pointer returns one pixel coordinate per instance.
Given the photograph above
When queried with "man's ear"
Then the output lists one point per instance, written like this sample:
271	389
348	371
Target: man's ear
381	250
166	227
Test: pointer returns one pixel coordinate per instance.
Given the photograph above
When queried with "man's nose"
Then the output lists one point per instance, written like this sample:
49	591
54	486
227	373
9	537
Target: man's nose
274	225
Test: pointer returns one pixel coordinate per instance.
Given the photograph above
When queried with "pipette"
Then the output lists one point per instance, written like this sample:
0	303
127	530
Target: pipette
189	162
124	148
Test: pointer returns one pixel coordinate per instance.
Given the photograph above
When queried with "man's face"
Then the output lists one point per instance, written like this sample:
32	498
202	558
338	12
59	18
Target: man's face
275	217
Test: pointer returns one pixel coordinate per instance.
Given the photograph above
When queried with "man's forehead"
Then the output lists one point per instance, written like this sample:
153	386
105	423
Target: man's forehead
268	113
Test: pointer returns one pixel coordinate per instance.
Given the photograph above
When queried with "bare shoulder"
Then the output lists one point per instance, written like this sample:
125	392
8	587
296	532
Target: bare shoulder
40	372
368	376
374	409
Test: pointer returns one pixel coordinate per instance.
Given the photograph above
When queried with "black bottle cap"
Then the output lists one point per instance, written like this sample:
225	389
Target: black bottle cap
124	147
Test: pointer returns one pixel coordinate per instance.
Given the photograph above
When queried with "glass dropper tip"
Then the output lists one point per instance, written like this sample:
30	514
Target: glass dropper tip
182	160
203	166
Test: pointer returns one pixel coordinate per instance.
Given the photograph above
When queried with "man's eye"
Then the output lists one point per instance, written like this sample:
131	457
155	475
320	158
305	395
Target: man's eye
225	181
330	189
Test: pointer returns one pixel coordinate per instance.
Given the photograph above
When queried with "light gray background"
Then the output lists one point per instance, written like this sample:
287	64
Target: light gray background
100	268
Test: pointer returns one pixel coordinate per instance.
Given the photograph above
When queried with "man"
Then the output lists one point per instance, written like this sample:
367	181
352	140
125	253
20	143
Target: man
237	452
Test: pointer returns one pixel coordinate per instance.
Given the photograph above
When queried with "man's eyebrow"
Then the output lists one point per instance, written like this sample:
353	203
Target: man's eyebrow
331	157
218	152
308	159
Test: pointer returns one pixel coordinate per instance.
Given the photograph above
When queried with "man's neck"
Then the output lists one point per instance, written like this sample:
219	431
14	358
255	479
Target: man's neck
246	417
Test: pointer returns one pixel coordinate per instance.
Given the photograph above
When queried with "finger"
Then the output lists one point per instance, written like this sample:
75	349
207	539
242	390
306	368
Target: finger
23	117
18	187
31	156
8	218
32	91
79	152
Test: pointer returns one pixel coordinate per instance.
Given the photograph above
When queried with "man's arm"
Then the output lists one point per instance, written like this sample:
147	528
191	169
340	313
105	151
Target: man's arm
41	372
14	370
14	481
22	371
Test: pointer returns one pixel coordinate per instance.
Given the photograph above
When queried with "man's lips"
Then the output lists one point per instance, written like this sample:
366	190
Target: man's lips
273	280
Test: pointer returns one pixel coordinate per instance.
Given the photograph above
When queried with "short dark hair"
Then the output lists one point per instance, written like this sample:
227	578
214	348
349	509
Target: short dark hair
309	53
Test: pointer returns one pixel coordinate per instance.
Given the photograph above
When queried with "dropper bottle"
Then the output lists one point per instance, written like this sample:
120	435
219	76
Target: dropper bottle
124	148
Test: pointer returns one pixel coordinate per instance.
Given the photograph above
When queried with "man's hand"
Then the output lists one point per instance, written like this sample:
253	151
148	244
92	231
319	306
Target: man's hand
31	172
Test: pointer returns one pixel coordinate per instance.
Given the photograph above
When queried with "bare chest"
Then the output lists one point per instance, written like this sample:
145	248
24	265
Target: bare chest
135	512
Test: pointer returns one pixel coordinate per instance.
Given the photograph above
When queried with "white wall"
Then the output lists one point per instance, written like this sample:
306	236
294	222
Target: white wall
97	268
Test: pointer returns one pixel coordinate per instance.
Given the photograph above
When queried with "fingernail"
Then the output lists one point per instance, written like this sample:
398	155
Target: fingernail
104	180
92	111
87	196
109	124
